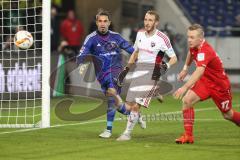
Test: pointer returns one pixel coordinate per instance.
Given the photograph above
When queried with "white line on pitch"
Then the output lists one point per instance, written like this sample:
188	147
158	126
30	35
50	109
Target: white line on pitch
99	121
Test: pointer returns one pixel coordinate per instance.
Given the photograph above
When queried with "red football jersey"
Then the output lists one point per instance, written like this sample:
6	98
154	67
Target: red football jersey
72	31
214	74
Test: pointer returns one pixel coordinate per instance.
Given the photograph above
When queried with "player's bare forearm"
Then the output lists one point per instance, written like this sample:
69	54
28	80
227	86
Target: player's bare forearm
193	79
132	58
197	74
172	61
188	61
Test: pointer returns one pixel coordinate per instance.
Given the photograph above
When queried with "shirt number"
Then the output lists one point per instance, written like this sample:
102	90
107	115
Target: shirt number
225	105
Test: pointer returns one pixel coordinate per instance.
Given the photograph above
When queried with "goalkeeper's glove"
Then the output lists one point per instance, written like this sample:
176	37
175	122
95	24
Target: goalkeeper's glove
159	70
121	76
82	68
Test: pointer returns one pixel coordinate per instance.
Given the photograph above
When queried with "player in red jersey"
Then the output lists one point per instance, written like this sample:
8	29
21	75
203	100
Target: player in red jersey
209	80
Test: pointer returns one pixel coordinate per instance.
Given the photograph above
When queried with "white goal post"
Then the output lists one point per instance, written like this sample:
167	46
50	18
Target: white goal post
46	64
24	74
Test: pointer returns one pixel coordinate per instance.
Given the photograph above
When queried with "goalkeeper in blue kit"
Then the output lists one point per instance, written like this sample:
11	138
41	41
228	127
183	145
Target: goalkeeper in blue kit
104	48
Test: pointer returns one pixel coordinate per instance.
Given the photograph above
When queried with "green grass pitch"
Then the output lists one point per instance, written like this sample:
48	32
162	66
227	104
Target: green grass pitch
215	138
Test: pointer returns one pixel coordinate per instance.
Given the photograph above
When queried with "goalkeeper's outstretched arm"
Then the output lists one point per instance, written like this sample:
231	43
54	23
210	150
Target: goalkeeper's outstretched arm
83	60
84	56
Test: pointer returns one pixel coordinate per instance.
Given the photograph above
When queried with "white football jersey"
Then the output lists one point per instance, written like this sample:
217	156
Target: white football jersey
149	47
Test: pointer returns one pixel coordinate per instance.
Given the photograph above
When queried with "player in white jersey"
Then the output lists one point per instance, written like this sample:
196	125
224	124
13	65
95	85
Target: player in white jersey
150	47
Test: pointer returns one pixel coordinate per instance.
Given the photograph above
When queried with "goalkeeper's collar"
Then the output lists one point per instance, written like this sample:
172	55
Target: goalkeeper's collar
102	34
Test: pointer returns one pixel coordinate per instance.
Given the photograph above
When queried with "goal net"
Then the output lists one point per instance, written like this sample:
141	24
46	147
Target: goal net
24	88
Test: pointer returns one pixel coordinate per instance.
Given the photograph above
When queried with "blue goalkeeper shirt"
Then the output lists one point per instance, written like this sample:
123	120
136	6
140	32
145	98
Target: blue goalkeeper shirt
105	53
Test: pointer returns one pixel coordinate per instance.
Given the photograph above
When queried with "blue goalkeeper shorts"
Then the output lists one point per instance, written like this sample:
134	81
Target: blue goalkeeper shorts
109	82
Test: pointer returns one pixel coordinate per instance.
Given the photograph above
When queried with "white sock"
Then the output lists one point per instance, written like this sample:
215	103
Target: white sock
132	120
140	119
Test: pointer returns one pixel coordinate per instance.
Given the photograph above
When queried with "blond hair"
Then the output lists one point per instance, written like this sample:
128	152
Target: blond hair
152	12
197	27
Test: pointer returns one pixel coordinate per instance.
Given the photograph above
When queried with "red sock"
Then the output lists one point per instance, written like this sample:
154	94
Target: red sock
188	115
236	117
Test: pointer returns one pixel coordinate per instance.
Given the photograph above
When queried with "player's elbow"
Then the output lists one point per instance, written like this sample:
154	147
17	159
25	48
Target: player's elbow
79	60
173	60
83	58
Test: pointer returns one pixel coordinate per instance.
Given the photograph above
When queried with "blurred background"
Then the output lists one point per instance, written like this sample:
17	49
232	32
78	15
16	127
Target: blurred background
220	18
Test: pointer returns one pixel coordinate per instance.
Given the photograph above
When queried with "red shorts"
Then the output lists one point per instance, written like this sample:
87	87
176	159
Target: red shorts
223	99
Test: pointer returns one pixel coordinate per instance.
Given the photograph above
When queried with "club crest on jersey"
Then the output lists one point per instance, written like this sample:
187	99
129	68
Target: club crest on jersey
153	44
200	56
110	46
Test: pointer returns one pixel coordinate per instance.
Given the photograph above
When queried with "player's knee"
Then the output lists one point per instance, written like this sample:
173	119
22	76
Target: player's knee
187	102
111	92
227	115
129	106
135	107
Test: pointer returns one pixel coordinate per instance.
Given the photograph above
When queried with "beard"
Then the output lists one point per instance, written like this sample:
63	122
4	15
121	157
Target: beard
149	28
103	30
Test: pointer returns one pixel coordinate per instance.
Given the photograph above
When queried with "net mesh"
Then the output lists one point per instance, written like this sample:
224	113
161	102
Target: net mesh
20	70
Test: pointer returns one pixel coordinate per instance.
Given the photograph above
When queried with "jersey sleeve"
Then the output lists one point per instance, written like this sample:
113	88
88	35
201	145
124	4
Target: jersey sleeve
136	41
167	47
85	51
125	45
203	58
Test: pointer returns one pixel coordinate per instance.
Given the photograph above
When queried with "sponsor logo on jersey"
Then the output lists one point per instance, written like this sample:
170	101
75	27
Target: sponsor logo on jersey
108	54
201	56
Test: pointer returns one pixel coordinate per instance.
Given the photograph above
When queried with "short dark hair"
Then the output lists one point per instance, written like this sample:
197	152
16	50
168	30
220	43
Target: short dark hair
152	12
102	12
197	27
